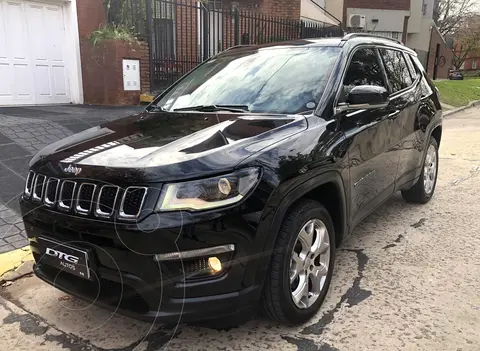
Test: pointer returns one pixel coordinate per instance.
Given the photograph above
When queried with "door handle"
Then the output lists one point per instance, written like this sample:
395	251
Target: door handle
394	114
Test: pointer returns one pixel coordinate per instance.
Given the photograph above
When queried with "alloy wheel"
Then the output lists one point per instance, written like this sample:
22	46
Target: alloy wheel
309	263
430	169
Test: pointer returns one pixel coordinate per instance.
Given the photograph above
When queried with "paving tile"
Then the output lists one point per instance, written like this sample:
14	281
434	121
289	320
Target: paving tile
9	230
19	243
7	213
6	248
12	150
4	139
20	225
19	165
11	187
26	112
14	238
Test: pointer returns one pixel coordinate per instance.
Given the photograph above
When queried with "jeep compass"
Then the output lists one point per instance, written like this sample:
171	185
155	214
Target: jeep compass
231	191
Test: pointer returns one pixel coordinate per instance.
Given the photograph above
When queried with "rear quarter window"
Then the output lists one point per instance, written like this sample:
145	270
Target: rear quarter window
396	68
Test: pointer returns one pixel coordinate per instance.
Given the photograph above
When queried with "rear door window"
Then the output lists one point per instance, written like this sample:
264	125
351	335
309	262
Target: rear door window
397	70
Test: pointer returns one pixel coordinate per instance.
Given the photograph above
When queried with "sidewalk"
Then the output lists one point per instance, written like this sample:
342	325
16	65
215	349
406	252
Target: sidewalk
23	132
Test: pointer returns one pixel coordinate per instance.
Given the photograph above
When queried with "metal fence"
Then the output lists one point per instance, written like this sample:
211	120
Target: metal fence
183	33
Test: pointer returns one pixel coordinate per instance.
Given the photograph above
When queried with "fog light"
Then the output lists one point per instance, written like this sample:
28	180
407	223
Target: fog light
215	264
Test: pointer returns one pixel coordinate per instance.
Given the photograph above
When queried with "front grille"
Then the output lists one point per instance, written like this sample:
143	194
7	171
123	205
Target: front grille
38	187
132	201
51	191
67	191
85	198
106	200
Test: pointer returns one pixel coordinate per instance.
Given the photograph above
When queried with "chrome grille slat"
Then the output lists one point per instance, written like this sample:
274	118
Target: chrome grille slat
38	187
29	184
137	195
52	183
81	202
66	197
101	203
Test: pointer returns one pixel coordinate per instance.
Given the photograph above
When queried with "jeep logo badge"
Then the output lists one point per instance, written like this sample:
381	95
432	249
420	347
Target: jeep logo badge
62	255
72	169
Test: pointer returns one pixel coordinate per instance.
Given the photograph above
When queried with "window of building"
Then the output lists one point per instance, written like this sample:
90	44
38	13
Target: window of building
397	69
474	64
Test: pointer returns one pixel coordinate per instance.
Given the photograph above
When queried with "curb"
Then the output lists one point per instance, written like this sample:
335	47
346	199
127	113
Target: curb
16	264
463	108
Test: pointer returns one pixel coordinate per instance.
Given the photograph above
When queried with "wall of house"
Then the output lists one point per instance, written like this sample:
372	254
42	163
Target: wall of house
472	64
388	20
395	5
442	72
415	20
335	7
313	10
421	40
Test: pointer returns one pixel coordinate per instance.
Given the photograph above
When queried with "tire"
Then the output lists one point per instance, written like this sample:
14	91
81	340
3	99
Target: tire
277	300
420	193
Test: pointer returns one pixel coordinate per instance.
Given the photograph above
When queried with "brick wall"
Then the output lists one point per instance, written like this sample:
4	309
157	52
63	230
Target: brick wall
102	73
91	16
282	8
442	72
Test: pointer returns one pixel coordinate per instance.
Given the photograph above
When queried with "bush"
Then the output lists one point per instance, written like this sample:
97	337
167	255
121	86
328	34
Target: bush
112	32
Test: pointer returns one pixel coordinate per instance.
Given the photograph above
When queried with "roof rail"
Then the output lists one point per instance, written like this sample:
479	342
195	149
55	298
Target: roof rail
237	47
369	35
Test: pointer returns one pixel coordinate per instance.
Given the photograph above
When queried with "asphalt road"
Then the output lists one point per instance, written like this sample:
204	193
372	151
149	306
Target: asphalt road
407	279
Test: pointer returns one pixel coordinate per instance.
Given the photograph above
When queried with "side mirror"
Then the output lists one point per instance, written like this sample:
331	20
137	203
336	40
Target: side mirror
365	97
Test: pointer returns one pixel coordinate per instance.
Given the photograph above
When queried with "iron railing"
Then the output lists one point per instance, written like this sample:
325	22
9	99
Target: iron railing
183	33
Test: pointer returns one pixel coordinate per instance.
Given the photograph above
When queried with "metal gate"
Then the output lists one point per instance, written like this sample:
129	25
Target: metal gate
183	33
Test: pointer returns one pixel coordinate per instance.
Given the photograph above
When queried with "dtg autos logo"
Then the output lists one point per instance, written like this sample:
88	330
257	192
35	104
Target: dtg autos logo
62	255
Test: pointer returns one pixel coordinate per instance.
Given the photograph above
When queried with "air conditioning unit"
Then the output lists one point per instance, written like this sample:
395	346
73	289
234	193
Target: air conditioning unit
357	21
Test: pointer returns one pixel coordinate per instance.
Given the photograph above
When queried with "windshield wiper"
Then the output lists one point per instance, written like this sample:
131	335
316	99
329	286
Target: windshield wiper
156	108
213	108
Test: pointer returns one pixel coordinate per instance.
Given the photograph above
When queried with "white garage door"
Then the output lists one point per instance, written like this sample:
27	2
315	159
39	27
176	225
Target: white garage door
32	54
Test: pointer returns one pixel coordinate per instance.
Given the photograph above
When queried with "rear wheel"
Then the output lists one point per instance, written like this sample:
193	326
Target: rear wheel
302	265
424	189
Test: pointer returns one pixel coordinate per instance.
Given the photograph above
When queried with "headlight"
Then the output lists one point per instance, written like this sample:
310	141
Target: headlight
208	193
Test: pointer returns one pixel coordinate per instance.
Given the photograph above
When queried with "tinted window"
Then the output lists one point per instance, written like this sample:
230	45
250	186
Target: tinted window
397	70
426	89
275	80
411	66
364	69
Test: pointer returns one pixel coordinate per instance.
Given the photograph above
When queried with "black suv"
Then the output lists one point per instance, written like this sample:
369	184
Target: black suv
235	186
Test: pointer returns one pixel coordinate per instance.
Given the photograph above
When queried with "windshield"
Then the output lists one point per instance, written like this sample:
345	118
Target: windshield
274	80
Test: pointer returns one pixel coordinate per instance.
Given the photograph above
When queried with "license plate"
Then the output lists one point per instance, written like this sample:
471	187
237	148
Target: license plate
65	257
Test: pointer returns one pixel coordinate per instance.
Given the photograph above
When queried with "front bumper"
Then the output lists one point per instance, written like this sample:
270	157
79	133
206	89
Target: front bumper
126	278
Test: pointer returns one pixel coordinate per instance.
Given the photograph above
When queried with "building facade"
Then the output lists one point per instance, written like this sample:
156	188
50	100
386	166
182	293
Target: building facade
408	20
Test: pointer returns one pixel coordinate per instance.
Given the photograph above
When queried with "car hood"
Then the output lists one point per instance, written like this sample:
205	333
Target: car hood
165	145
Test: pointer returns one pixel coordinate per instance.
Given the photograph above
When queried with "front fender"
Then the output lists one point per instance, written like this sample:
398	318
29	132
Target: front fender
275	211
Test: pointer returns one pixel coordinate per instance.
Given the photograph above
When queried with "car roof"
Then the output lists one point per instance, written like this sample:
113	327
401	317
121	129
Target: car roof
349	40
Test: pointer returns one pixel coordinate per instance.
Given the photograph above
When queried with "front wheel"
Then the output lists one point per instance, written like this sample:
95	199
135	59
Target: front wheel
424	189
302	265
